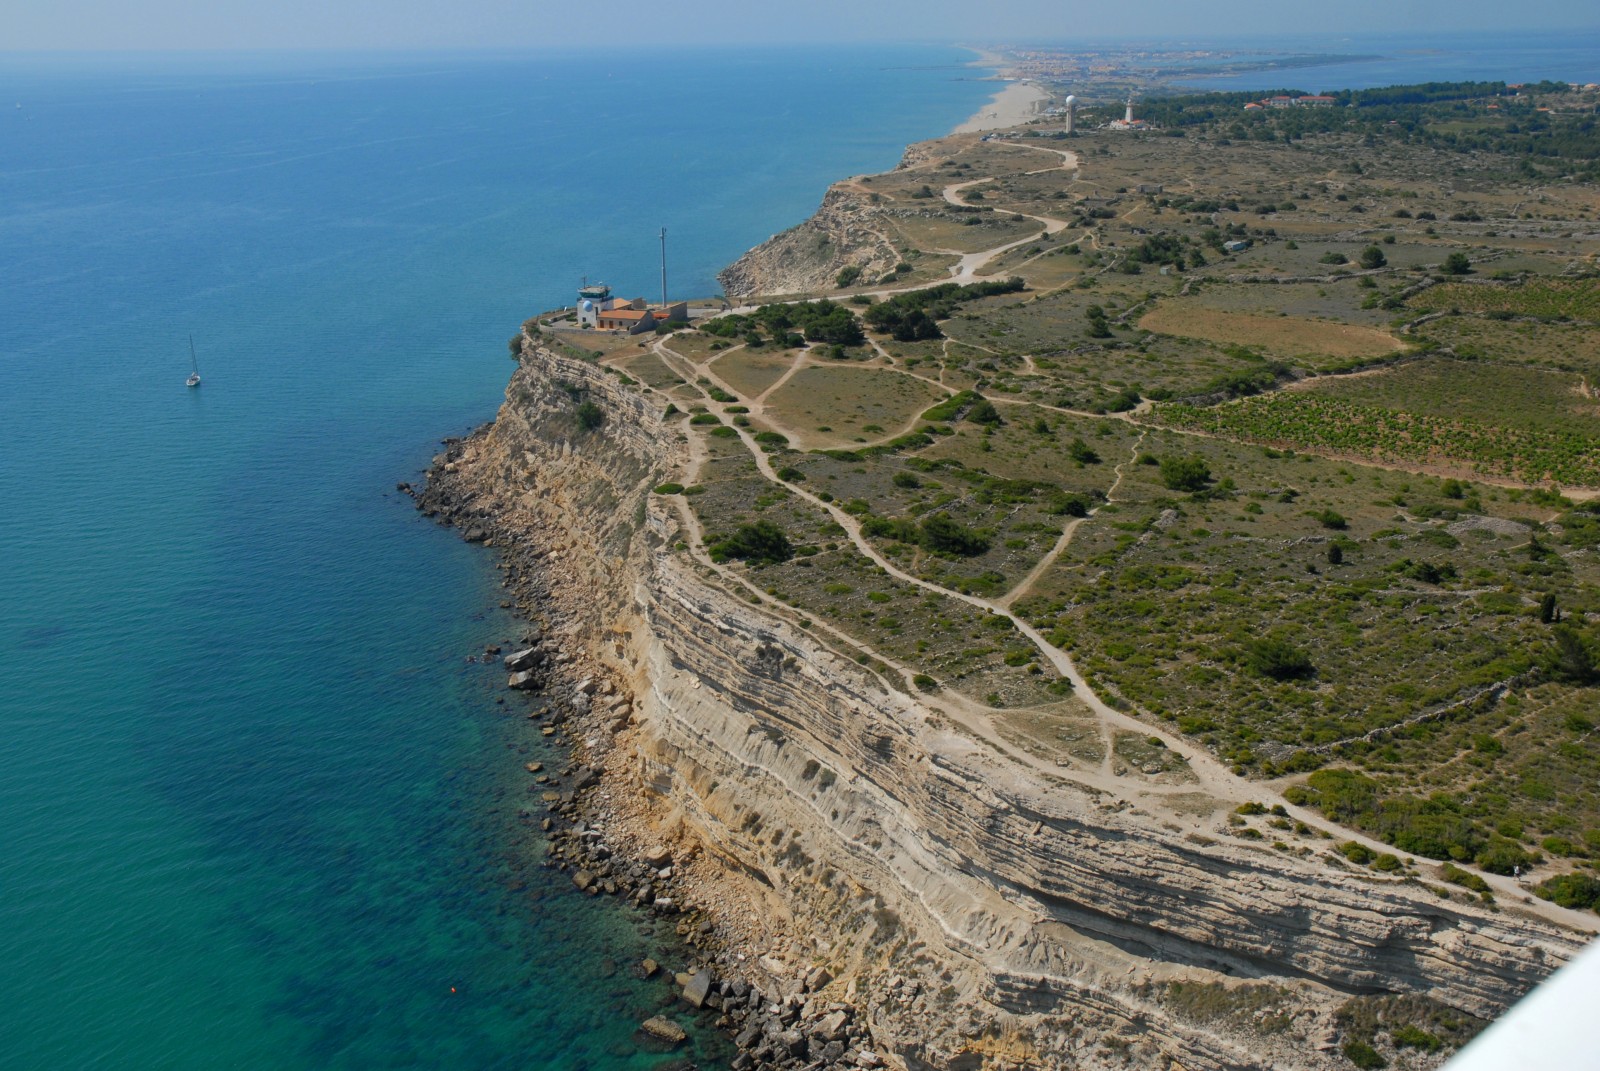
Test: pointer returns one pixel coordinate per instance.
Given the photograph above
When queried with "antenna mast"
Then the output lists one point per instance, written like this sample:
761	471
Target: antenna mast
663	267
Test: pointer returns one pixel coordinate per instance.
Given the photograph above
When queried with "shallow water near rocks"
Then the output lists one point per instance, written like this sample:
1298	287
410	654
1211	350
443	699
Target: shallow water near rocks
257	809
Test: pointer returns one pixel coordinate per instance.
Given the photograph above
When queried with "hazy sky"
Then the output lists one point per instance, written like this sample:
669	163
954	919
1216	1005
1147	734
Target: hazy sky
190	24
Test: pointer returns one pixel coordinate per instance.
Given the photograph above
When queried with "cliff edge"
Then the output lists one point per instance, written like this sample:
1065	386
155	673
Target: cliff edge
967	910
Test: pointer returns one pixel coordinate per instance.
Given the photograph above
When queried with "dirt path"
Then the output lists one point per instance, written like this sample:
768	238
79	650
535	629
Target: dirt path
1026	584
967	268
1211	776
802	360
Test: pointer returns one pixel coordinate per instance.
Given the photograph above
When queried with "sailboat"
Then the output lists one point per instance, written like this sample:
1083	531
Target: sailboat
194	367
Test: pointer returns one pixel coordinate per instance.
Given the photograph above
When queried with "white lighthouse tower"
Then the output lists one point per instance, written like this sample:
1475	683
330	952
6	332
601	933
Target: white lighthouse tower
1128	118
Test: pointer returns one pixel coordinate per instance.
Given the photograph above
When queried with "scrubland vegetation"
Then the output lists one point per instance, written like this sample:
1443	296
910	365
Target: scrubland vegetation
1319	505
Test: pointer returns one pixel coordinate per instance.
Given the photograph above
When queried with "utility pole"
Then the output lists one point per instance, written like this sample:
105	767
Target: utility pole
663	267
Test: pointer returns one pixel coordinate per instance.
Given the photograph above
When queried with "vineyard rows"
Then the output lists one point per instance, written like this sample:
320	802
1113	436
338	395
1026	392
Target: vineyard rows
1300	420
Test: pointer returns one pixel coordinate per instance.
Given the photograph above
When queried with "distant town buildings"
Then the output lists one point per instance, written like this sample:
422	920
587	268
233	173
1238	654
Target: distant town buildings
1308	101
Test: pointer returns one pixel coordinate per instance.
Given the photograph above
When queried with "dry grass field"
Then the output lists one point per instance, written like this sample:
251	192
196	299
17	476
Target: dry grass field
751	372
857	404
1278	335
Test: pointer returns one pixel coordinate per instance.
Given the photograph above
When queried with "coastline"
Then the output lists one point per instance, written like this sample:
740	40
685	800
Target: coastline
747	970
1013	105
746	937
691	717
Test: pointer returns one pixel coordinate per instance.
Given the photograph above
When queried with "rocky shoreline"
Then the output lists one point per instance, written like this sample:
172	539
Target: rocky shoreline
742	972
968	913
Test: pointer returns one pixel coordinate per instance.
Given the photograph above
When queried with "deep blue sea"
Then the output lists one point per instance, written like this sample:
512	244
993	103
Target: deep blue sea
256	810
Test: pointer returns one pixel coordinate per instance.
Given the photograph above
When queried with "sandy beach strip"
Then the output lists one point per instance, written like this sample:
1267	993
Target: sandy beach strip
1012	106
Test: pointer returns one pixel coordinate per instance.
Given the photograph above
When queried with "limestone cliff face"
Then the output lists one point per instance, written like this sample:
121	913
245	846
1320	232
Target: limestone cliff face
985	912
808	258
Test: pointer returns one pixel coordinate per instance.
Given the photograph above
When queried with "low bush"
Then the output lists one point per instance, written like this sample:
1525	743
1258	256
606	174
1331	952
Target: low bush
1185	473
590	416
761	543
1570	890
1278	659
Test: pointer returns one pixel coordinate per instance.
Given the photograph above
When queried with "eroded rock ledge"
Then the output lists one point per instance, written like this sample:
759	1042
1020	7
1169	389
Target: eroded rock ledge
843	232
974	913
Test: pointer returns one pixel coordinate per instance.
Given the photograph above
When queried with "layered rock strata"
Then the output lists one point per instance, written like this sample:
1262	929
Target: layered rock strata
972	911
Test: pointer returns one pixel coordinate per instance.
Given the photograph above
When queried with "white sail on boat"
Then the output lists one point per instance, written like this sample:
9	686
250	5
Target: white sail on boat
194	367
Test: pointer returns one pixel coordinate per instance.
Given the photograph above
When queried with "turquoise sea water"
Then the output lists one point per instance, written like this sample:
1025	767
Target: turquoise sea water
256	810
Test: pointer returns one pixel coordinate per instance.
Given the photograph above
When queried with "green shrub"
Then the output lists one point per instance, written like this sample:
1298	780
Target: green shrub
1278	659
1070	504
984	412
1503	856
951	406
1464	878
942	534
670	489
1570	890
1570	657
1098	327
1356	852
1560	846
1414	1037
896	528
1432	827
761	543
1363	1055
1185	473
590	416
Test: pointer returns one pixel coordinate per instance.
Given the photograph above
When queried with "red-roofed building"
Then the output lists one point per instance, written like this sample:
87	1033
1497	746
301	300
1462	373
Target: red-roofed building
630	321
634	317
